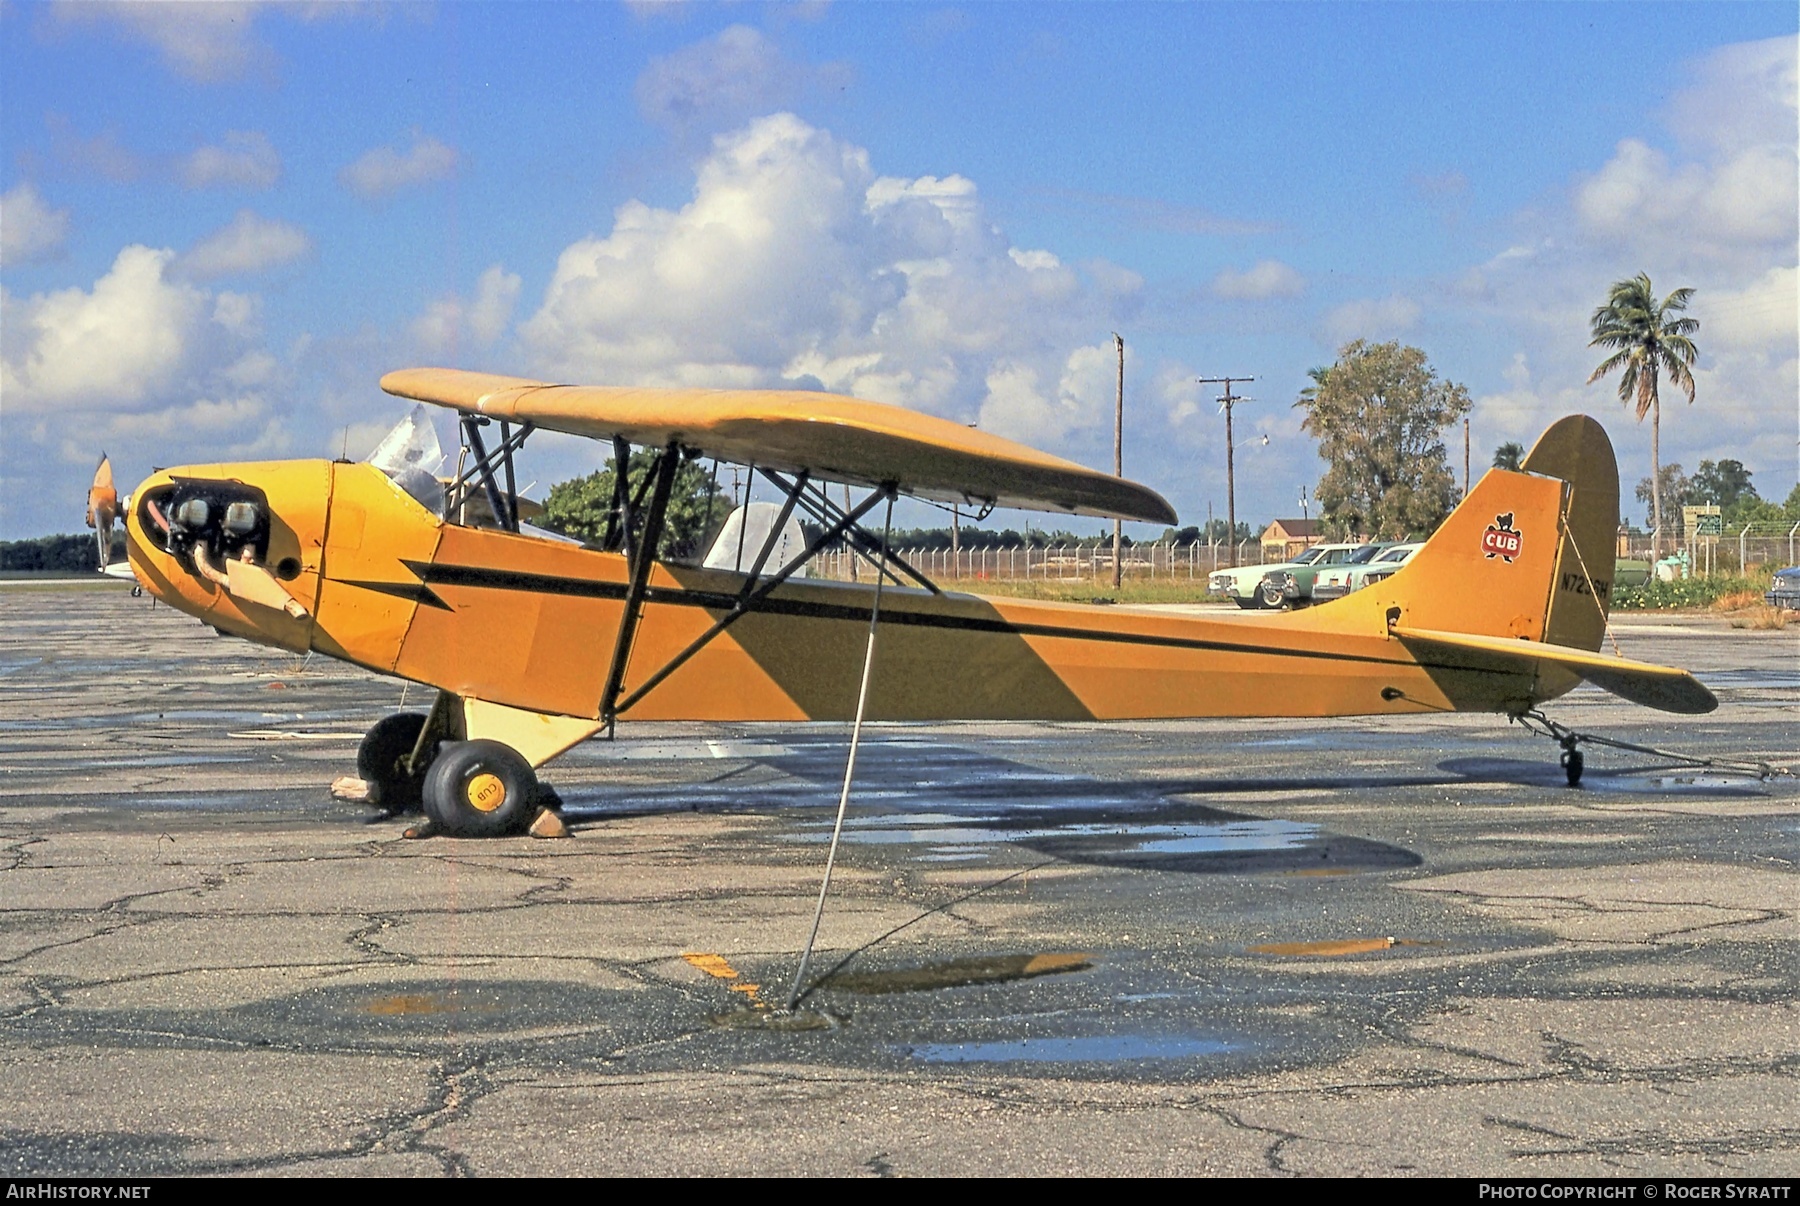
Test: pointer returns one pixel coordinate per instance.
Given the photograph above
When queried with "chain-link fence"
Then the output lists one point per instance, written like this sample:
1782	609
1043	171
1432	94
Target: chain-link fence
1737	549
1163	561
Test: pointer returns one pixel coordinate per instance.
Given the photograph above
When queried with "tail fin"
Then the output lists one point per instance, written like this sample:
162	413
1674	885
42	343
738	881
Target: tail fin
1526	555
1518	581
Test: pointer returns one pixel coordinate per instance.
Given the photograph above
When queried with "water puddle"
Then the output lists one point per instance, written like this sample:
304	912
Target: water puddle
1099	1048
291	735
957	973
1633	782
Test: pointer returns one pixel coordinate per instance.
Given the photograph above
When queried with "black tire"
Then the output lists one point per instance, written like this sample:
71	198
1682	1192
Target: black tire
480	789
1270	595
391	789
1572	766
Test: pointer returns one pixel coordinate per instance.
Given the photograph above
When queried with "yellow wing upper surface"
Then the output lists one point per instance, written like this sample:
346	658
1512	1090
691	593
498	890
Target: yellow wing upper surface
826	435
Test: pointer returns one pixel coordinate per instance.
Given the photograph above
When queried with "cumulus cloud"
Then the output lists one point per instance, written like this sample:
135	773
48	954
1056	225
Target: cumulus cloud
209	42
383	171
246	244
1371	318
29	229
115	347
1733	200
1261	281
1741	96
146	364
724	79
1716	211
1759	316
450	323
794	262
246	160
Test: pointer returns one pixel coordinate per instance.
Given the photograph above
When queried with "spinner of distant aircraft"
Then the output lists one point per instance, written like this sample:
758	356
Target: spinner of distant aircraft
535	643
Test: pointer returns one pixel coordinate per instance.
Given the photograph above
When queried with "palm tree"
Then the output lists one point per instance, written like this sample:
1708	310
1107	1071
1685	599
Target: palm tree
1648	340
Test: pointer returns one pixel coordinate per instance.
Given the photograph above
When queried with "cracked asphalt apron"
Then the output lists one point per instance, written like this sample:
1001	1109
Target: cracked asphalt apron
1329	947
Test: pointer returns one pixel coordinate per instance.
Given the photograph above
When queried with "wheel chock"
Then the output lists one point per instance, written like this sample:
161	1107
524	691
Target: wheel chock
548	825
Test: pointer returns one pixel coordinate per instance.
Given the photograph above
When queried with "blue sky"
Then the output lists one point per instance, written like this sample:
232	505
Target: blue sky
223	222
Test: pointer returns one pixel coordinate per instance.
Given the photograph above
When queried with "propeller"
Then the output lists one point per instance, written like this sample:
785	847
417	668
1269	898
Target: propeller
103	510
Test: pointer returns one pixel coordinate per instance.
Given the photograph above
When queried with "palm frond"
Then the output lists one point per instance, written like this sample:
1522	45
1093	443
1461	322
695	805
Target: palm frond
1609	364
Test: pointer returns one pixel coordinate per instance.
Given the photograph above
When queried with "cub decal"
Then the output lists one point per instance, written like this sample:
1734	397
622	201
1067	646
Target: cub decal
1501	539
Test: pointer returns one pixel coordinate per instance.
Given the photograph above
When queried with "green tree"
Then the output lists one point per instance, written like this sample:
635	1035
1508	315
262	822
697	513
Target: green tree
1672	484
1647	339
1726	483
1379	414
580	507
1509	456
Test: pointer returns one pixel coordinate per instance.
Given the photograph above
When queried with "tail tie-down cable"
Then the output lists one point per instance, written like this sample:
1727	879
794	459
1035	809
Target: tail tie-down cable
1536	722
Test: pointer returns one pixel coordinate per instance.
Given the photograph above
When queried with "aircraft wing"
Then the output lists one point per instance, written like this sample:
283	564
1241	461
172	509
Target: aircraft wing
827	435
1660	687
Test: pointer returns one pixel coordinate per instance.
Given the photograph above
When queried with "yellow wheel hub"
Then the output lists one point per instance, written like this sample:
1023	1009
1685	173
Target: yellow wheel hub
485	792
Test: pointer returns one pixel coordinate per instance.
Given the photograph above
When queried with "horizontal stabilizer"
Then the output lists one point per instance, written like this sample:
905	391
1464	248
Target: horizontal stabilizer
825	435
1660	687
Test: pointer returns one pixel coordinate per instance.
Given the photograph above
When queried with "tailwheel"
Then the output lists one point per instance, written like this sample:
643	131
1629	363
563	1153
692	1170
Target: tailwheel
1572	765
480	789
384	760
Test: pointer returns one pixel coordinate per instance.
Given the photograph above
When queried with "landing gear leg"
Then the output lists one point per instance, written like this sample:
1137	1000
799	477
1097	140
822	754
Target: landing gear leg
1572	761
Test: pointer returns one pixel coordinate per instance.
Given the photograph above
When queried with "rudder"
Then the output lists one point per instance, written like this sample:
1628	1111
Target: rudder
1577	450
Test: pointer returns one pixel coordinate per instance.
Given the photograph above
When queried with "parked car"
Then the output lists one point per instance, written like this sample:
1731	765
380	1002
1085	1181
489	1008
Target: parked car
1293	586
1243	585
1786	591
1340	580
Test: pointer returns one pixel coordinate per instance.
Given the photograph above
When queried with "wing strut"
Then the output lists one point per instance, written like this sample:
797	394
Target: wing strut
641	554
752	594
876	553
505	506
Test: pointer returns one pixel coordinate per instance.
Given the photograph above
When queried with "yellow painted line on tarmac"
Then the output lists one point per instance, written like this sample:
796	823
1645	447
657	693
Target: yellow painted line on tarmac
712	965
716	967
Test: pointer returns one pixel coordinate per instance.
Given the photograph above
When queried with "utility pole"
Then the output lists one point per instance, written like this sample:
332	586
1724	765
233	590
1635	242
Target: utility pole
1226	401
1119	455
1305	505
1465	458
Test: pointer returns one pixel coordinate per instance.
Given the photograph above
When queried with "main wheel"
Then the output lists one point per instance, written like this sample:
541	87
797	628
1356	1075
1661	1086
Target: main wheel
1572	766
480	789
378	762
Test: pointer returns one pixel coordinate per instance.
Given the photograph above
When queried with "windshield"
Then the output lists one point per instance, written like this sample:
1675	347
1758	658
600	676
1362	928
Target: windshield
1309	556
1365	553
1398	553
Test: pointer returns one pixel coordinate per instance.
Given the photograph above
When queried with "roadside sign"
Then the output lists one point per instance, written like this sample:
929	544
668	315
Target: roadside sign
1703	521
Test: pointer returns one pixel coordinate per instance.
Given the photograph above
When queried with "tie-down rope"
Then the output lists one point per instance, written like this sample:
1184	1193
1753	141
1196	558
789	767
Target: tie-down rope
1535	721
837	829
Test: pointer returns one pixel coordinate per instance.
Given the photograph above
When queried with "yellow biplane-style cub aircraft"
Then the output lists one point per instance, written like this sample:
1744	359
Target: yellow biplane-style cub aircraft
535	644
